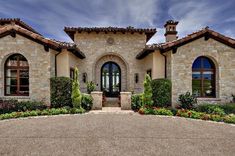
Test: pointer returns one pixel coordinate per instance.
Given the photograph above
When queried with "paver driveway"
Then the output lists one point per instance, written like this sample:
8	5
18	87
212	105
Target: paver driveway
115	134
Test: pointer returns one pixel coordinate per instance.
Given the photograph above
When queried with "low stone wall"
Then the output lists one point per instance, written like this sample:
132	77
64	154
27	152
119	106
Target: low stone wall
125	100
97	100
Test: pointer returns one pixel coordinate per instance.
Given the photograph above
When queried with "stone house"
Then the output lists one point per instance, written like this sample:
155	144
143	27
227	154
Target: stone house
116	60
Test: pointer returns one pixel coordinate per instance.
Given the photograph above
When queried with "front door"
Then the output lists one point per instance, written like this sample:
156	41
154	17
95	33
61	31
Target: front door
111	79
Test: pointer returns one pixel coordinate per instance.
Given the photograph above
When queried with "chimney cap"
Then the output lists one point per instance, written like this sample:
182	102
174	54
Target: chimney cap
171	22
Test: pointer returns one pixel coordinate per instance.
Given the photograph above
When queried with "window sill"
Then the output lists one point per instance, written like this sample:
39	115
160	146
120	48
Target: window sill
208	99
15	97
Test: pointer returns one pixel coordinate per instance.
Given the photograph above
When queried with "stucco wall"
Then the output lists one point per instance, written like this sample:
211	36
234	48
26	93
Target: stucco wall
125	47
158	65
180	67
39	60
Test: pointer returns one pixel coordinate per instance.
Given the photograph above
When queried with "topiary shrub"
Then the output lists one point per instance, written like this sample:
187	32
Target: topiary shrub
87	101
187	101
76	94
147	95
136	102
61	88
161	92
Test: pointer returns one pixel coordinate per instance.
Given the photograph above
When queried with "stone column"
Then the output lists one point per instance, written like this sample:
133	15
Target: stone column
125	100
97	100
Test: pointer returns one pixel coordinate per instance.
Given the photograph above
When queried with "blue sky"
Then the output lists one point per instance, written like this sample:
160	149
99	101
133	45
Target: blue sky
50	16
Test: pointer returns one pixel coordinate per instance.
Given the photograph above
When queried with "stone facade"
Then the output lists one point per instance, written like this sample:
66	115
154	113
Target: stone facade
122	51
179	68
41	66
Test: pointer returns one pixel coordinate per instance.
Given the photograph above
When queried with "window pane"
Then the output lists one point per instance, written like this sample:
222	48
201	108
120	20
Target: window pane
24	90
197	63
11	81
11	73
196	87
196	75
11	90
12	61
24	73
207	63
208	75
24	81
22	60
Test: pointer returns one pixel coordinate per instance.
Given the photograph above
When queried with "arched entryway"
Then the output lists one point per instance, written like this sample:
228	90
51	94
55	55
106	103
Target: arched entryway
111	79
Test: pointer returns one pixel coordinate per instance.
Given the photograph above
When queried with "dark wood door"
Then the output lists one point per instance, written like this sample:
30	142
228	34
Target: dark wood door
111	79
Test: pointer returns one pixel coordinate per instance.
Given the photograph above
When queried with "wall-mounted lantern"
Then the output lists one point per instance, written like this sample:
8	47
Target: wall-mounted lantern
136	77
84	77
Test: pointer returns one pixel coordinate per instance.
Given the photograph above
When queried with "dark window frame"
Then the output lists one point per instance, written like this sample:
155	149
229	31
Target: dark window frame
18	68
202	70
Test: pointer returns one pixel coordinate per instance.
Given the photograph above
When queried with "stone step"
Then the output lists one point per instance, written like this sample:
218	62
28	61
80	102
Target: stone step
111	102
111	110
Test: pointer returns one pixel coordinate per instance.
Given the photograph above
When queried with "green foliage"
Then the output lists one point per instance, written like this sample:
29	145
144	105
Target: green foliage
30	105
90	87
229	119
163	111
53	111
136	102
217	118
76	94
12	105
187	101
61	88
148	111
228	108
87	101
147	95
161	92
211	109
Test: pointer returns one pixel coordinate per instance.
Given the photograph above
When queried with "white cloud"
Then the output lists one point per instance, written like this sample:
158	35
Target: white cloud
51	16
194	15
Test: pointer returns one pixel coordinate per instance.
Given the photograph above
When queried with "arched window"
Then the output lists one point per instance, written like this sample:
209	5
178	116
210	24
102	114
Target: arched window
203	77
16	76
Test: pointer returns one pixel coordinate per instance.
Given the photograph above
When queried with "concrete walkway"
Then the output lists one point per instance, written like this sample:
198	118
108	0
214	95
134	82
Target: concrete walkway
115	134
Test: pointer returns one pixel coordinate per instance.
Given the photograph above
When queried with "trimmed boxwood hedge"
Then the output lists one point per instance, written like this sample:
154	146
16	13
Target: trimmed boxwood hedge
61	88
161	92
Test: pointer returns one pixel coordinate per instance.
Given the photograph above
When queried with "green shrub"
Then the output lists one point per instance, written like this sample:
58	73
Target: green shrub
30	105
76	94
228	108
147	95
161	92
162	111
90	87
217	118
87	101
77	110
136	102
7	105
229	119
211	109
61	88
148	111
187	101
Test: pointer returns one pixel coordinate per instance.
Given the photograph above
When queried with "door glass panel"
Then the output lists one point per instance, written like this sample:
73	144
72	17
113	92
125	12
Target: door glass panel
110	78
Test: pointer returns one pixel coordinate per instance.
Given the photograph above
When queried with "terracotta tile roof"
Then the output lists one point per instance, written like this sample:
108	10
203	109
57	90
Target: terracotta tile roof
14	28
205	32
17	21
71	30
191	37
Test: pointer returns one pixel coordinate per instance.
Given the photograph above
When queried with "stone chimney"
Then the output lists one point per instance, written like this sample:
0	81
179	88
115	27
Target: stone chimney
171	33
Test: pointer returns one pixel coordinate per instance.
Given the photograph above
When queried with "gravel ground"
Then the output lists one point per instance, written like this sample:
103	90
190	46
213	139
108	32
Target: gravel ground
115	134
